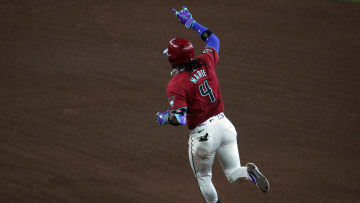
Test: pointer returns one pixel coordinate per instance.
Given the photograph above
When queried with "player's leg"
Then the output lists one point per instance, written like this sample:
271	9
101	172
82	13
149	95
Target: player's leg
228	156
228	153
201	156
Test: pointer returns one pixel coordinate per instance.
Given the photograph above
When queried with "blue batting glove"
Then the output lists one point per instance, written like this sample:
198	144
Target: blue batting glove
185	17
162	117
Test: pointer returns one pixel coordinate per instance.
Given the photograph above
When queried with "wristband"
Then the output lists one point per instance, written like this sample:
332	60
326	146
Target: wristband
205	35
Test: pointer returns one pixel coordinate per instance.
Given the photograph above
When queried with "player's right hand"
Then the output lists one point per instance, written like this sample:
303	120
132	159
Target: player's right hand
185	17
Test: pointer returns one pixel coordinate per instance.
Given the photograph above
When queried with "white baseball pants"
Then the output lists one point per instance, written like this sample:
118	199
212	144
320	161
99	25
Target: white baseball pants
216	136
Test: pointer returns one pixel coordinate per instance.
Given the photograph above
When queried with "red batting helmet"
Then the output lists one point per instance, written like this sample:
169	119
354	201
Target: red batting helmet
179	51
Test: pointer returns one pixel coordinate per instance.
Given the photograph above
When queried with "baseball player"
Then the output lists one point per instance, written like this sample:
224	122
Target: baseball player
195	99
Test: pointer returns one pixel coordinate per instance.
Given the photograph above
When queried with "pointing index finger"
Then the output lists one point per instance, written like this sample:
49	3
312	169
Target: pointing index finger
175	11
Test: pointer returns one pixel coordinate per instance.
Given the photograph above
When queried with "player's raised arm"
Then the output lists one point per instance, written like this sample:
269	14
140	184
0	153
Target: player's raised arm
186	18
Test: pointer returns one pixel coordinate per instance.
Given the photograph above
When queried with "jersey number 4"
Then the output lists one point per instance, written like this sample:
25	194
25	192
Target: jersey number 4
205	90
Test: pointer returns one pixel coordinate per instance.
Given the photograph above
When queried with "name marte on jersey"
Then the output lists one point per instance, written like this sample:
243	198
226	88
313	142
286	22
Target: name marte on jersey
197	75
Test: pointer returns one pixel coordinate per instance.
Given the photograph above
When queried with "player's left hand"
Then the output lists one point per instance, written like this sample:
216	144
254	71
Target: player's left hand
185	17
162	117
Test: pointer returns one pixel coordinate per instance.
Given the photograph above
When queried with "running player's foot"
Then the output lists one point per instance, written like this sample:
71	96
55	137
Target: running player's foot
258	178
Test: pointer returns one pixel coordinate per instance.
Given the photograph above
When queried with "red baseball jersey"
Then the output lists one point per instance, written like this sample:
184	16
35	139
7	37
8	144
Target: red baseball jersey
198	90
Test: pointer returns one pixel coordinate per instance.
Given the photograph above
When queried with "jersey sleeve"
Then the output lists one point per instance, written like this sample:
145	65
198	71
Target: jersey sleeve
209	56
176	96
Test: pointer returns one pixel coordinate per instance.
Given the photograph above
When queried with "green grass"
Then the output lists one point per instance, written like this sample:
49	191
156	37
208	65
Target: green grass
352	1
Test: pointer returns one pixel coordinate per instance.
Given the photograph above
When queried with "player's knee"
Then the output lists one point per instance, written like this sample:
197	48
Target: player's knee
203	177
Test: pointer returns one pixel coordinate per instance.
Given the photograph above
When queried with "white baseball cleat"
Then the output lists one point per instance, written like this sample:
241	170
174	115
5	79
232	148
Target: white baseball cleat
258	178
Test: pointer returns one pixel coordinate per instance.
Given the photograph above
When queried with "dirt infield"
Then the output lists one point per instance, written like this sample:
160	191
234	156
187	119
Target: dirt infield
81	81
